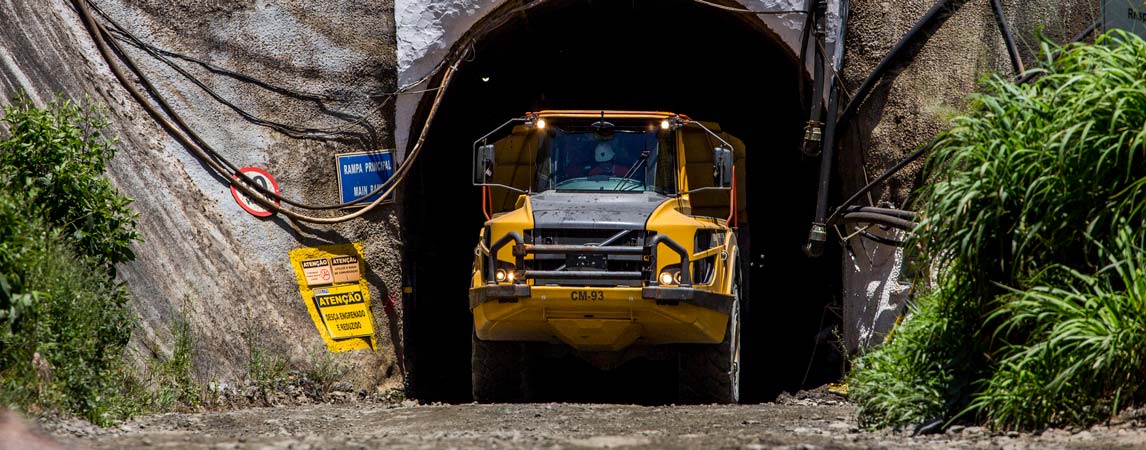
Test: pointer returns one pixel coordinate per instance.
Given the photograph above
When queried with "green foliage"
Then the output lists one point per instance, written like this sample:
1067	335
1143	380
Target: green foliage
55	156
324	371
1026	190
65	325
924	371
265	368
1083	356
173	375
64	320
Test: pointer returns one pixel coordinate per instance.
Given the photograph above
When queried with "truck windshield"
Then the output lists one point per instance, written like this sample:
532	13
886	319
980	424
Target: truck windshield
632	157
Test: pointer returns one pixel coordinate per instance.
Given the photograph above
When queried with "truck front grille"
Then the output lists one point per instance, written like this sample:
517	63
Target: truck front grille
586	262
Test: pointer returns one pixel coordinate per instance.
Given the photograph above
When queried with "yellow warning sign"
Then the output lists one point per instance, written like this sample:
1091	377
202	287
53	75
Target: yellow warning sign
343	311
345	269
338	304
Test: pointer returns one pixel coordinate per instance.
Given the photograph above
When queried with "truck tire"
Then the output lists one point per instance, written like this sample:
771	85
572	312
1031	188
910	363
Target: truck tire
498	371
711	373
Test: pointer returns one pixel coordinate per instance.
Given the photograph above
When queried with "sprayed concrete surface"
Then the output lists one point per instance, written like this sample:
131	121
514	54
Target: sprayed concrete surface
202	256
811	422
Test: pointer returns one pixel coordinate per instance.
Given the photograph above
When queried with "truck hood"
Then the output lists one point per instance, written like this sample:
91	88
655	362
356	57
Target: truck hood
594	210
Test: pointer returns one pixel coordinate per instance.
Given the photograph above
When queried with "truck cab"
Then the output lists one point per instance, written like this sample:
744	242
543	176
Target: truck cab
593	241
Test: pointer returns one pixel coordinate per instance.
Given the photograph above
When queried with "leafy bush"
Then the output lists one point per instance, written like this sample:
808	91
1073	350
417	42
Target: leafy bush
55	156
1026	193
64	320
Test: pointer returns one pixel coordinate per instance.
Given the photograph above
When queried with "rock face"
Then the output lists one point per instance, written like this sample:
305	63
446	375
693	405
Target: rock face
201	255
326	68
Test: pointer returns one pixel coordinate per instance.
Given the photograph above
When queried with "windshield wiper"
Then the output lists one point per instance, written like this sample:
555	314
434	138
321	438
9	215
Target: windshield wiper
633	170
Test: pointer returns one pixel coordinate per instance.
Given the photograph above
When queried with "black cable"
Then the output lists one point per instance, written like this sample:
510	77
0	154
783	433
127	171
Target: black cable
880	239
212	157
887	174
289	130
913	40
181	132
1008	38
901	213
882	219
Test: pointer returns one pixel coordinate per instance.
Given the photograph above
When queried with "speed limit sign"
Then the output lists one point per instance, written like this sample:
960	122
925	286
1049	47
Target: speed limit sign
261	178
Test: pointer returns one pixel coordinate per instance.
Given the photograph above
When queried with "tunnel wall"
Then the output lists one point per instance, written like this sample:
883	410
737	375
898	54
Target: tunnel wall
200	253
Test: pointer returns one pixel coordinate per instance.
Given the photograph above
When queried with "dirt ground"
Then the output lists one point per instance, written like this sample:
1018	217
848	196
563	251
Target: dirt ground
809	422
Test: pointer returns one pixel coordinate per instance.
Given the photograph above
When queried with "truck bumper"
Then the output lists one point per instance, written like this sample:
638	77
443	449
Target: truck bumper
599	319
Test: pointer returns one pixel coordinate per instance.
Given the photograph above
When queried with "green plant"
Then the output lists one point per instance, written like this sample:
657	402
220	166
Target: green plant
55	157
1025	192
324	371
1084	355
266	369
64	320
174	375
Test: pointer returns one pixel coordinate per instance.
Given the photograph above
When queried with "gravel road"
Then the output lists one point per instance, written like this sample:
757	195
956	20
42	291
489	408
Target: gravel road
789	423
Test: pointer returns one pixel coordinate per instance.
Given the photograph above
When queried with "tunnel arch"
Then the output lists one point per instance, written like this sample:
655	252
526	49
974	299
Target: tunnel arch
668	55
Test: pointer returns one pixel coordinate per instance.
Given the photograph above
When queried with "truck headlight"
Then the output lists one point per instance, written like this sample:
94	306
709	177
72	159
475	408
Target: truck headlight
670	275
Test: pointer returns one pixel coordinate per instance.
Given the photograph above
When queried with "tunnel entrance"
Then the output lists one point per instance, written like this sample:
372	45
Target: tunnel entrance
662	55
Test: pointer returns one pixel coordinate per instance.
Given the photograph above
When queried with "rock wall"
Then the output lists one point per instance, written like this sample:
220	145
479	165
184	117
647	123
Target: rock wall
201	255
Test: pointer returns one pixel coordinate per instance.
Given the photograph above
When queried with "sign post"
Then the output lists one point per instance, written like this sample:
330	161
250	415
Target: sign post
361	173
1129	15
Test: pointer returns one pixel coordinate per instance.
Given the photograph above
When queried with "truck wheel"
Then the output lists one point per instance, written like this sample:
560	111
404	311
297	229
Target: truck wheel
711	373
498	371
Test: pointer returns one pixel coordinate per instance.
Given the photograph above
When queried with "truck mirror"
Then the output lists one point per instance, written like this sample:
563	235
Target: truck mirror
722	167
483	164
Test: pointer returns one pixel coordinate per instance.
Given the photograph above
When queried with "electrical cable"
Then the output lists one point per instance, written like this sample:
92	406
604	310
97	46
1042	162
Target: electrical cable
880	239
901	213
1008	38
935	16
886	174
289	130
102	44
211	156
882	219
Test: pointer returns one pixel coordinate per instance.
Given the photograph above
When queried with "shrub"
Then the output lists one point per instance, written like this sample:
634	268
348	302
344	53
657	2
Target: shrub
1026	193
64	320
55	156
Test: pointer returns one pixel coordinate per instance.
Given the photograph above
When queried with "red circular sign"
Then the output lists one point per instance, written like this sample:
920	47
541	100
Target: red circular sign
262	178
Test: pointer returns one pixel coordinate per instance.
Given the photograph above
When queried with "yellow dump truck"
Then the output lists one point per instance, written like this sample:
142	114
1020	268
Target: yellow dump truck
610	232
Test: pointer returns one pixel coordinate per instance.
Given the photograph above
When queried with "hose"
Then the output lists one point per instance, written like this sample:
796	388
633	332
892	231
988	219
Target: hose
912	40
886	174
233	169
1008	38
900	213
882	219
98	34
881	240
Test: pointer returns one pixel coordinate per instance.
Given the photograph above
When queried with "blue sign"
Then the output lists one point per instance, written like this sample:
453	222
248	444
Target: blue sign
361	173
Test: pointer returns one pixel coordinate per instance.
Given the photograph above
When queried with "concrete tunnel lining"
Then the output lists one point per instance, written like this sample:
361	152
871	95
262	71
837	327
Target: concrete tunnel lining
769	112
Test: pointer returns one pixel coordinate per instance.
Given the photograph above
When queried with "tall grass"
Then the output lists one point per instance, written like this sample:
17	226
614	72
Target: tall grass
1026	215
